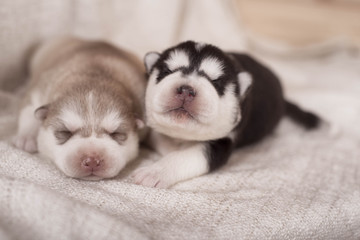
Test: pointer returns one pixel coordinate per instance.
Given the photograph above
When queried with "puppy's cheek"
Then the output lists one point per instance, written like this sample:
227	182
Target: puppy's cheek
64	156
114	159
157	102
130	149
58	154
117	156
207	109
149	103
47	144
157	96
151	90
68	158
64	164
162	100
115	163
208	102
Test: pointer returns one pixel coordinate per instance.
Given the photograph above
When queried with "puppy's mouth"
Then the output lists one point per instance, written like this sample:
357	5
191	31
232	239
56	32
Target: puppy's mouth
181	114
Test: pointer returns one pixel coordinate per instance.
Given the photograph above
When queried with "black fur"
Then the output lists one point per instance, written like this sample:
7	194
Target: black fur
262	109
307	119
263	105
218	152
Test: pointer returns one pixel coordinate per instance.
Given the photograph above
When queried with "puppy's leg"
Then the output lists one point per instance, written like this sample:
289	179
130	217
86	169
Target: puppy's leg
184	164
174	167
28	127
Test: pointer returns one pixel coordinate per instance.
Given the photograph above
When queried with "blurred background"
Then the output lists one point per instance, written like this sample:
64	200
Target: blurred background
275	27
302	22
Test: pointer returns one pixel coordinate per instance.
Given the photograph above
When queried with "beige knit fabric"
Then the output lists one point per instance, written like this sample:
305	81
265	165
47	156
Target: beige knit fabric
293	185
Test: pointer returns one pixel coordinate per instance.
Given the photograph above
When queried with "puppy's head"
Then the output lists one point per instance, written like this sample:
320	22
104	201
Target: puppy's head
89	133
194	92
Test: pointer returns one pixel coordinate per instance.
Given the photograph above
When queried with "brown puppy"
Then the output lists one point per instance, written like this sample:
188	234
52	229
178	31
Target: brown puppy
83	108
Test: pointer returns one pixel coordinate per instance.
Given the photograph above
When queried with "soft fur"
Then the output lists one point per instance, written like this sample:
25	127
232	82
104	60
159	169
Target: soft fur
202	103
83	108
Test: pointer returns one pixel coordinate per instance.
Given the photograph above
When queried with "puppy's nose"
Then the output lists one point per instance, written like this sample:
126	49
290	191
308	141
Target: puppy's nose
186	92
91	163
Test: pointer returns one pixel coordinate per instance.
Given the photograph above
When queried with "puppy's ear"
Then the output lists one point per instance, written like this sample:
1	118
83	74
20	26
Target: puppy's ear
150	59
139	123
42	112
245	81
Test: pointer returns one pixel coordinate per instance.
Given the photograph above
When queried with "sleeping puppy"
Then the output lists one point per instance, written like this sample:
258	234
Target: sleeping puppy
203	103
83	108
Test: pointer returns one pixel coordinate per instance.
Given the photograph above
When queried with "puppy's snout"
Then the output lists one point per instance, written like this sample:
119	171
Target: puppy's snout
91	163
186	92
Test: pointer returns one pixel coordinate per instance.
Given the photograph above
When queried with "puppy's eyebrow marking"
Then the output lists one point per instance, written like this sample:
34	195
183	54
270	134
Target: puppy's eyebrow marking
212	67
71	120
177	59
111	122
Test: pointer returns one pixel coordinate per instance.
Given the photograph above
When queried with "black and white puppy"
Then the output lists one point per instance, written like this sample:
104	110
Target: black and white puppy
202	103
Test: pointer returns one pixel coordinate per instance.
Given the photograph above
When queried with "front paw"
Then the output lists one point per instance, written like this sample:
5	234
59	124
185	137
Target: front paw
152	176
26	143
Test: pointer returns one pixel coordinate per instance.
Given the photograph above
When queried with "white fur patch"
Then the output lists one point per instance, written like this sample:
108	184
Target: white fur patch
177	59
245	80
111	122
174	167
212	67
71	119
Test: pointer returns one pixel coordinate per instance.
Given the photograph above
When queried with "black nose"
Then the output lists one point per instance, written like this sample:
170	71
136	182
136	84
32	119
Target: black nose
186	91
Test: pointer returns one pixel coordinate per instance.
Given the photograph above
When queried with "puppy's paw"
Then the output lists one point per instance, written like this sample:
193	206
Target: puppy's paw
26	143
152	176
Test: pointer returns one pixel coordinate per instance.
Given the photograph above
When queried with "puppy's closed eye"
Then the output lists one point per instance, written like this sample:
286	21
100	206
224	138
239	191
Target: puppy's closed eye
119	137
167	71
63	136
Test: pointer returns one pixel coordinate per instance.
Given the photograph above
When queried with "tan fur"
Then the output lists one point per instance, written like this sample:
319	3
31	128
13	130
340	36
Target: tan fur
67	70
83	107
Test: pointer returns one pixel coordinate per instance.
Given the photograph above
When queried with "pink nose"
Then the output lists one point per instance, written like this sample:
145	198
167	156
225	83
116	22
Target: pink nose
91	163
